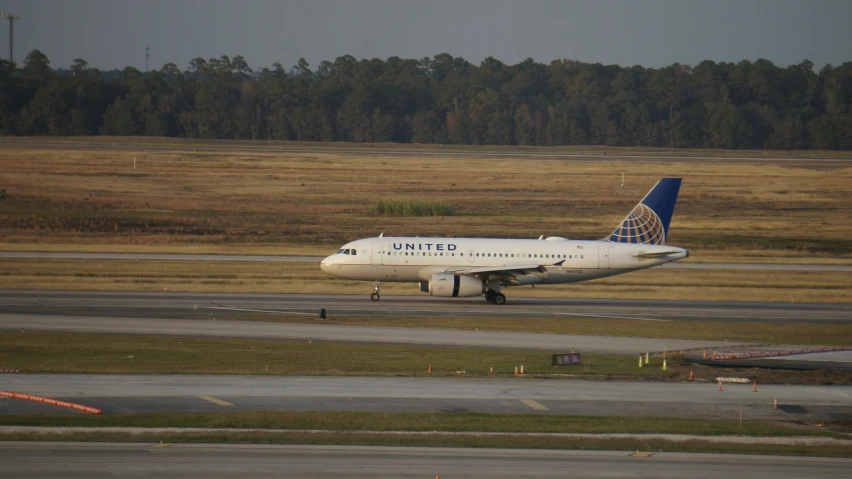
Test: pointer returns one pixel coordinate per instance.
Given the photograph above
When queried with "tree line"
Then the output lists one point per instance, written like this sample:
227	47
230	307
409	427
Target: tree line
443	99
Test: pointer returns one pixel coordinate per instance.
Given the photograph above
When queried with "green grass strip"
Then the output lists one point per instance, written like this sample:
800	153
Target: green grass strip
87	353
418	422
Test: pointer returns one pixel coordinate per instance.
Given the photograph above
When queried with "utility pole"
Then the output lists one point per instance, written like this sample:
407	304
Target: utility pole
11	17
147	54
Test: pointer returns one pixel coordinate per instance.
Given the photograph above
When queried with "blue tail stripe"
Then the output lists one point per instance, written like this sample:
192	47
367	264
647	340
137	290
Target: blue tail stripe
649	220
662	200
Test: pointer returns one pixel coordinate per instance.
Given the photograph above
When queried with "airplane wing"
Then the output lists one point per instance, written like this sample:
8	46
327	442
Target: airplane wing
506	273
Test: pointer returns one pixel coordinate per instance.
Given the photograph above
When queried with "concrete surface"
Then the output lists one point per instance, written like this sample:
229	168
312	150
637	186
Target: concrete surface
54	460
190	393
204	305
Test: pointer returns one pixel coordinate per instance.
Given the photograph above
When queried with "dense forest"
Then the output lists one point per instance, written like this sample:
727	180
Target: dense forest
441	100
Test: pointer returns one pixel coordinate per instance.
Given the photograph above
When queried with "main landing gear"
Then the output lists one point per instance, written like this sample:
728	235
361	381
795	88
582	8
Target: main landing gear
494	297
375	296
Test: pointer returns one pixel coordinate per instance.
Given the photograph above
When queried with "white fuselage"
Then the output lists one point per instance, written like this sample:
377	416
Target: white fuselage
407	259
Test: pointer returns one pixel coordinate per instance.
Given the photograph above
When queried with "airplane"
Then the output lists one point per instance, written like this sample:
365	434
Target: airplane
469	267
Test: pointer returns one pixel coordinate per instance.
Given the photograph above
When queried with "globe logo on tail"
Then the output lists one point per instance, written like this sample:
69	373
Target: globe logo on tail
642	226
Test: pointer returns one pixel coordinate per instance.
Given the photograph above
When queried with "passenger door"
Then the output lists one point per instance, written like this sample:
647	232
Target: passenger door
603	257
378	252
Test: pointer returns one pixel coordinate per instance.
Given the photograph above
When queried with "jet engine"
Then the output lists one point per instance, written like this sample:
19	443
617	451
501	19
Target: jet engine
452	286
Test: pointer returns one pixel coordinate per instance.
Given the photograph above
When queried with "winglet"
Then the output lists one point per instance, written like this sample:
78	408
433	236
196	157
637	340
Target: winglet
559	263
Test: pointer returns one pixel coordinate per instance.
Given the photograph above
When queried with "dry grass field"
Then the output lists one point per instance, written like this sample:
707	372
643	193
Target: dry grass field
310	202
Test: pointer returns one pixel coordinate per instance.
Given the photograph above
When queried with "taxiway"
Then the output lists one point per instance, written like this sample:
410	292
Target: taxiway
131	393
188	305
41	460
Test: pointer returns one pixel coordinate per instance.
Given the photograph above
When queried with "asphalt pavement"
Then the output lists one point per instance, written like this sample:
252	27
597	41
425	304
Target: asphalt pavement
133	393
189	305
436	151
42	460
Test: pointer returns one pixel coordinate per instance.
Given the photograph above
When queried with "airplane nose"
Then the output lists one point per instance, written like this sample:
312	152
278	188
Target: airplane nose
325	265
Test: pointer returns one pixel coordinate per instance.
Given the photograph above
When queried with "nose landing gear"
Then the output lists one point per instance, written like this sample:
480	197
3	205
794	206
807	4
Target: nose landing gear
375	296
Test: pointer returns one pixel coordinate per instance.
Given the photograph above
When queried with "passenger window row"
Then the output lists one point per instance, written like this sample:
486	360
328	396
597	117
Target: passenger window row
483	255
421	253
538	256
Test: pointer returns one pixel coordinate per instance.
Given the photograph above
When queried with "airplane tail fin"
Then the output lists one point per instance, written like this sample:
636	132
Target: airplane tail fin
648	223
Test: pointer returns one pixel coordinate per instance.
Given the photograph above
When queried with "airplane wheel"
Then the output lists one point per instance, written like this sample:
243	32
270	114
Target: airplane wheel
374	296
490	295
500	298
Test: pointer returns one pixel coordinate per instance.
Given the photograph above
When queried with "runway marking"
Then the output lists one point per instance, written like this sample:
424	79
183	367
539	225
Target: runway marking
534	404
215	400
159	445
642	454
262	311
613	317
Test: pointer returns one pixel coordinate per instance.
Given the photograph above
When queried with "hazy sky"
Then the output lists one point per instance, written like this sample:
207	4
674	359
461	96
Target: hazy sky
653	33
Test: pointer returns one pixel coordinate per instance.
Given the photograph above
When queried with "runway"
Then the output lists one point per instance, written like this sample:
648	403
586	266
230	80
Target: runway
591	156
192	314
188	305
317	259
40	460
223	393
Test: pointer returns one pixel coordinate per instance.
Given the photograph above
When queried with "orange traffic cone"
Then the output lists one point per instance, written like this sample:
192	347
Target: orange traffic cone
522	369
775	404
714	354
516	370
430	369
754	386
720	385
704	355
690	375
491	370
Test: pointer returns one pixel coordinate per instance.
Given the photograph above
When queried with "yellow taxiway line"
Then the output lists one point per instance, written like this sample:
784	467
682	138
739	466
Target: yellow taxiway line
215	400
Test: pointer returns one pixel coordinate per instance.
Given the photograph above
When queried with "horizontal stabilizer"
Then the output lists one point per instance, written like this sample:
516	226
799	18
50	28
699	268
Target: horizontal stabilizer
657	254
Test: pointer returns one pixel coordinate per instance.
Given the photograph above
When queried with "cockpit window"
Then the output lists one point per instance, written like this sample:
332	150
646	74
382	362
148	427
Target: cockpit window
340	251
353	252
